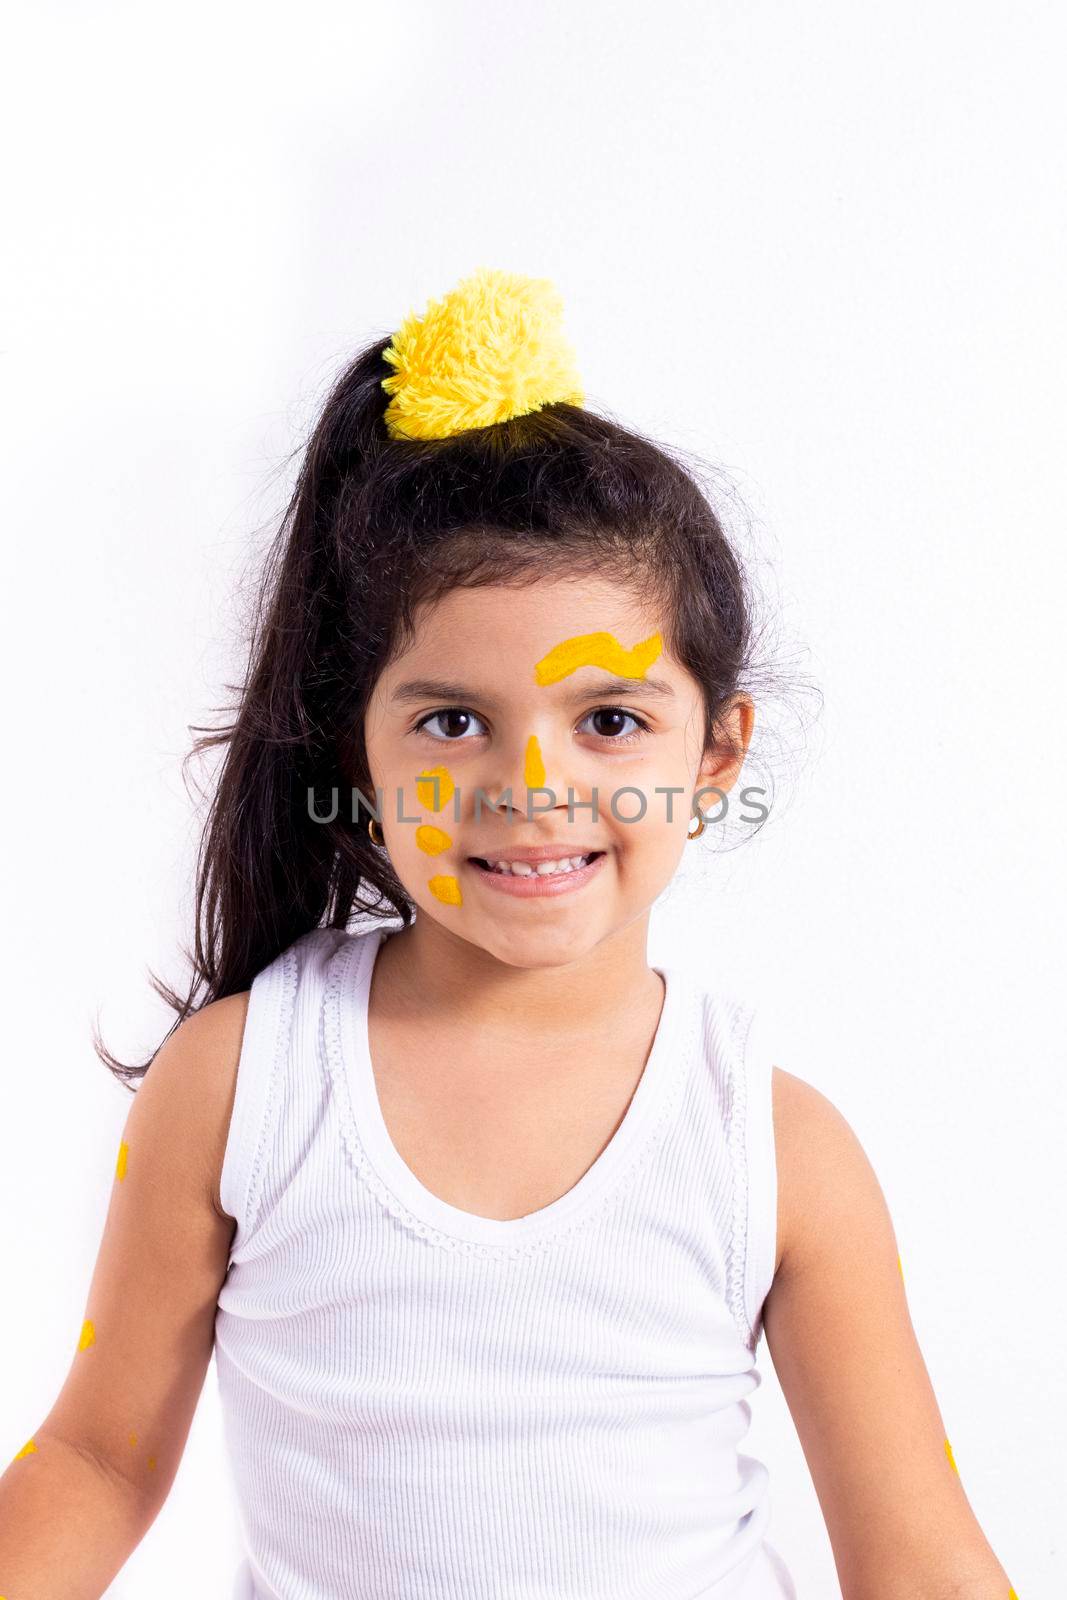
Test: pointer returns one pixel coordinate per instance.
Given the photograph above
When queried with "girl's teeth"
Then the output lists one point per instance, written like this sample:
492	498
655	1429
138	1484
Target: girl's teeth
525	869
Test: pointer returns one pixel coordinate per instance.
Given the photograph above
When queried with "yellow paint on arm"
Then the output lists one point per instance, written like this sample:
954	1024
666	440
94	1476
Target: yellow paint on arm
432	840
434	795
151	1463
446	889
597	650
88	1335
533	771
120	1164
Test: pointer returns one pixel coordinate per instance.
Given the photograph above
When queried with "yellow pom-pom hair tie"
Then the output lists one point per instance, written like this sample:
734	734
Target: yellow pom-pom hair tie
491	349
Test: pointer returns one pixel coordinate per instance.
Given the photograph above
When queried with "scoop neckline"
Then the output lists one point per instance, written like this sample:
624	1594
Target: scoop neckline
349	1039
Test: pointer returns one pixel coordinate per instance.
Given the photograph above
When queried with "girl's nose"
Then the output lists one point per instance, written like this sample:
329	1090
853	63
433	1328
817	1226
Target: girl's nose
530	764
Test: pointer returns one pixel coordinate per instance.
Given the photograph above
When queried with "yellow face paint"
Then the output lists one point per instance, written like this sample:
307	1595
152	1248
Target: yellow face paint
133	1440
151	1463
28	1449
120	1164
951	1460
1012	1595
432	840
533	771
446	889
900	1264
597	650
88	1336
434	796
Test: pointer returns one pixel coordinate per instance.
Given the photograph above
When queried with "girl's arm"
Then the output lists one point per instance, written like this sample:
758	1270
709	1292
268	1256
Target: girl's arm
845	1352
80	1494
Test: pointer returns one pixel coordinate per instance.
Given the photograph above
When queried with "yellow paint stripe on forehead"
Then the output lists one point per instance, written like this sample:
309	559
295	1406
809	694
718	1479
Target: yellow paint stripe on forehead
597	650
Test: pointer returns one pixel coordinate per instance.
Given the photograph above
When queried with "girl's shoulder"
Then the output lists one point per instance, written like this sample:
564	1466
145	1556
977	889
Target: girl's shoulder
817	1158
793	1106
823	1169
252	1026
210	1043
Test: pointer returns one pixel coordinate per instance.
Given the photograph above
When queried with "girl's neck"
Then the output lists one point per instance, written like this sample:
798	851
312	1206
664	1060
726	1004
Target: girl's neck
421	971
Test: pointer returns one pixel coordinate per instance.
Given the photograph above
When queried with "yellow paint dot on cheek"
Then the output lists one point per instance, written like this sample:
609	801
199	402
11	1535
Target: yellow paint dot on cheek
28	1449
446	889
120	1164
151	1463
434	795
951	1459
88	1336
533	771
133	1440
432	840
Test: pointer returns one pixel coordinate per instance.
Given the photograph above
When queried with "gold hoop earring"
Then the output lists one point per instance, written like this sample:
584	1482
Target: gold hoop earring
700	830
379	837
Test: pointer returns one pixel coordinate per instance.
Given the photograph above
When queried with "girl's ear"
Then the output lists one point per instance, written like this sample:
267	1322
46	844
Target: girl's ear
734	726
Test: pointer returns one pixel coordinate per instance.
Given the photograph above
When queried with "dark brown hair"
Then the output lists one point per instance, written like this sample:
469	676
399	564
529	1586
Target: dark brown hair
374	527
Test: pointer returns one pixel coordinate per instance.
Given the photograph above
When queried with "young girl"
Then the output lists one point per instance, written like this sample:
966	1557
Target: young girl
482	1214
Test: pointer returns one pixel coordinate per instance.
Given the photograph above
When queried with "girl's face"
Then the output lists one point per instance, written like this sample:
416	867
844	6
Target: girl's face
560	692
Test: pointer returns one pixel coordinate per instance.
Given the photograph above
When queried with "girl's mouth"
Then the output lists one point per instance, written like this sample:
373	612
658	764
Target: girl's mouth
529	882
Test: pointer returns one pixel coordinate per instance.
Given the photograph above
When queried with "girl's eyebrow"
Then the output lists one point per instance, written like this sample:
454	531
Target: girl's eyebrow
443	689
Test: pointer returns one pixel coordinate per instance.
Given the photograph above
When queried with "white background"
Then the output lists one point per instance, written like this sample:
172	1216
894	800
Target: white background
822	245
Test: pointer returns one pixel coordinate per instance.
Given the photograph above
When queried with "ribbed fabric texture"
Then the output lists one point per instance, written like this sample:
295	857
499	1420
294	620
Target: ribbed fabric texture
422	1404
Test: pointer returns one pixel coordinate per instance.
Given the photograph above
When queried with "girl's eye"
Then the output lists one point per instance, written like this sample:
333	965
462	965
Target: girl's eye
450	715
613	715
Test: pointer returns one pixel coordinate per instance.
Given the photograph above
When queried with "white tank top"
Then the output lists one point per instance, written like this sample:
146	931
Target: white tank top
424	1404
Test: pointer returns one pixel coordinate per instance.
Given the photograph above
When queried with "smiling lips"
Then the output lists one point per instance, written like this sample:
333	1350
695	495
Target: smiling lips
530	882
558	850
